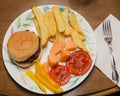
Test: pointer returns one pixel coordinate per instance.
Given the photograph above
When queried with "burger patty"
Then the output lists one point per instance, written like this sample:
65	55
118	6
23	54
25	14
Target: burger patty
33	57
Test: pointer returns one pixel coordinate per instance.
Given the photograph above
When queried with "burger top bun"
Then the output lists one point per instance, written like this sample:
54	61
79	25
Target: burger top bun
22	45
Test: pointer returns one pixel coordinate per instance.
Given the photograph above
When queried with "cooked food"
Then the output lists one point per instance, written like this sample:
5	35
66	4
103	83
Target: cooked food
44	32
77	40
60	38
51	24
66	20
74	23
59	19
24	48
37	26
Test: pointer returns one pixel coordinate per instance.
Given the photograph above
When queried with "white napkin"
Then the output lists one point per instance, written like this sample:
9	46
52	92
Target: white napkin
103	55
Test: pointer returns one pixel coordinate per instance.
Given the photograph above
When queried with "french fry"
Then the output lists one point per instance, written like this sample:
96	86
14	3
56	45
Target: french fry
52	39
31	75
77	40
74	23
37	26
60	38
83	38
43	27
52	27
59	19
67	25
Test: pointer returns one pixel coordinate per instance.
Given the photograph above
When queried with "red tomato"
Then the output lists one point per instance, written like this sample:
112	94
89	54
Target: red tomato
79	62
60	74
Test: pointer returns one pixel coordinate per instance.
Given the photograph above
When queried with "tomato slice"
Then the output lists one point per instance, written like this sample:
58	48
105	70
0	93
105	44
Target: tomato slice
60	74
79	62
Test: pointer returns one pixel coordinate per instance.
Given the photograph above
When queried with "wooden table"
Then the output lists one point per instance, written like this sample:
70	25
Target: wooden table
95	11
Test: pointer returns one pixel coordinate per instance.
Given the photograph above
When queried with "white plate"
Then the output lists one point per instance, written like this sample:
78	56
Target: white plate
25	21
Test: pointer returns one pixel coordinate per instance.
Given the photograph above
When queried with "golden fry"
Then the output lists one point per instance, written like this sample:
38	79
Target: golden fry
83	38
37	26
67	25
43	27
60	38
77	40
59	19
74	23
52	27
52	39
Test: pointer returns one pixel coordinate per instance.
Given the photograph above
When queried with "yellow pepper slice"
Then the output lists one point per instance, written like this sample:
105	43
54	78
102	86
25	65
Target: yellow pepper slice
31	75
47	85
40	70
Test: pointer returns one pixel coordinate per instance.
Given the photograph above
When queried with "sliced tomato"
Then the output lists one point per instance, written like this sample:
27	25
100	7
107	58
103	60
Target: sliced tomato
79	62
60	74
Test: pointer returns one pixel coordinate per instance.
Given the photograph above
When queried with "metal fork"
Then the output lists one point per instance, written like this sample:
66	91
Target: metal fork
108	38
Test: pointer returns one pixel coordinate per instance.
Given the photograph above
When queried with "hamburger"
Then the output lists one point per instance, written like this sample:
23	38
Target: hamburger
24	48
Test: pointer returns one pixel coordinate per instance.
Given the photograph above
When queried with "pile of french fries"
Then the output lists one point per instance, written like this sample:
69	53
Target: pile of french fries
56	25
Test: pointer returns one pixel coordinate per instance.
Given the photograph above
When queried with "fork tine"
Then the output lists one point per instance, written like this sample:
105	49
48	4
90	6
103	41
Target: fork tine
107	28
103	27
109	24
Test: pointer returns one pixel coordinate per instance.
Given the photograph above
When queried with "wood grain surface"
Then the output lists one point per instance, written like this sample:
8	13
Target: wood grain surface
94	11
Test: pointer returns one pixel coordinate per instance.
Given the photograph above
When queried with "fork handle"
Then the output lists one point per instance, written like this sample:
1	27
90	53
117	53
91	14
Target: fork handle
115	75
